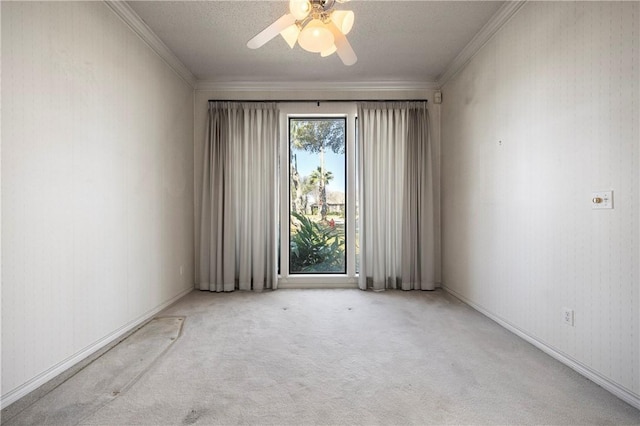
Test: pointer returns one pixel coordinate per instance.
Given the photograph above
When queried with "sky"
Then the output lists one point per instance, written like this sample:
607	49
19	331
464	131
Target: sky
335	163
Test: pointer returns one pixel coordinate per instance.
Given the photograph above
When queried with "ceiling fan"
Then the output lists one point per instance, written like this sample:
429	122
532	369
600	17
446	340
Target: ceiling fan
316	26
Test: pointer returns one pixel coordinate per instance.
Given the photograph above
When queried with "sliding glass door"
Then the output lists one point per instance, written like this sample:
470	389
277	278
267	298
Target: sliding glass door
317	195
317	215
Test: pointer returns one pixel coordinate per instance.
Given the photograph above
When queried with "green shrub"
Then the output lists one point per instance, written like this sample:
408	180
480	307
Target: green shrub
315	247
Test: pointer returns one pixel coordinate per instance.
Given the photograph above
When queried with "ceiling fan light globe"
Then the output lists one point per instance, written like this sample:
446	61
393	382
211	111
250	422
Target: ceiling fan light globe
330	51
299	8
315	37
290	35
343	19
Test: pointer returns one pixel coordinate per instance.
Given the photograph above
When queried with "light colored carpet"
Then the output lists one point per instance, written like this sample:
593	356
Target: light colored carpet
350	357
98	383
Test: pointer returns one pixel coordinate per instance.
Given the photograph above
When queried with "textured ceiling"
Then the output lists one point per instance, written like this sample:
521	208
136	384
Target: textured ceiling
411	41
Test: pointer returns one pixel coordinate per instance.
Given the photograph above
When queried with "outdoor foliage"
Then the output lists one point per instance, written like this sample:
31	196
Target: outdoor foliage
315	247
318	135
321	179
301	188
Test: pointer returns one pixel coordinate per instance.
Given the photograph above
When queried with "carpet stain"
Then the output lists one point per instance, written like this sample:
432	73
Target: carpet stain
104	380
191	418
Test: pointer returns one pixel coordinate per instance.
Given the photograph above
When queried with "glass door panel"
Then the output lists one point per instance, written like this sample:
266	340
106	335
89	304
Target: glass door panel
317	195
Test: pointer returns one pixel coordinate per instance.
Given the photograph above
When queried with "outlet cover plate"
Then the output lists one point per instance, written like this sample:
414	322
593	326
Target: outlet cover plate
567	316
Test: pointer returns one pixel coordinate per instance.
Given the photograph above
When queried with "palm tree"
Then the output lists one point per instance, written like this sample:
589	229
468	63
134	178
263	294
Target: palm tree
317	177
316	135
294	186
305	189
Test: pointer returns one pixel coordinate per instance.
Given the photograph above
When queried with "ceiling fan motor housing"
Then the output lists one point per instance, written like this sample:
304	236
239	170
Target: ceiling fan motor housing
324	4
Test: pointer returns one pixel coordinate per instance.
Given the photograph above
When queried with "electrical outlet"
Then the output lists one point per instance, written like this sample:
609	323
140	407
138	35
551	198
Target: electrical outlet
567	316
181	269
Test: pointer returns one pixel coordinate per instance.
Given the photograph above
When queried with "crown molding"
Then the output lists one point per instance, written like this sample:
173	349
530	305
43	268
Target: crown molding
131	18
280	86
497	21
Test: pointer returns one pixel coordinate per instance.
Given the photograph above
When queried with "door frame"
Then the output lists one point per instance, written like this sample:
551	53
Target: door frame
317	109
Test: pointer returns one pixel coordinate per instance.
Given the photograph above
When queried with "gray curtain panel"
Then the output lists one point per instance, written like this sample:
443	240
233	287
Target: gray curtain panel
238	229
398	247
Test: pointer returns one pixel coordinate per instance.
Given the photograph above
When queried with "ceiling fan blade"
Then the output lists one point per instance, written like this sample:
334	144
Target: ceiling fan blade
344	49
271	31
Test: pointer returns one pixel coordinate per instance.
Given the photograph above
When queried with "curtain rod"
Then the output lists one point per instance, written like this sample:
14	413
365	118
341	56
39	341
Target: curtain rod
318	101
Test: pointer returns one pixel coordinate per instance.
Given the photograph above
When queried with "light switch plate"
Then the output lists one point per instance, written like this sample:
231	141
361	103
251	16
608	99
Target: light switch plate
602	200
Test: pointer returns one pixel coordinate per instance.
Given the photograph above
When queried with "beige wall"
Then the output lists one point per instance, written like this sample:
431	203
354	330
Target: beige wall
547	112
97	185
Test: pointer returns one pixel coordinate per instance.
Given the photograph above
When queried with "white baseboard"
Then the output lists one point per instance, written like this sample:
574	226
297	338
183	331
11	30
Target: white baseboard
619	391
42	378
